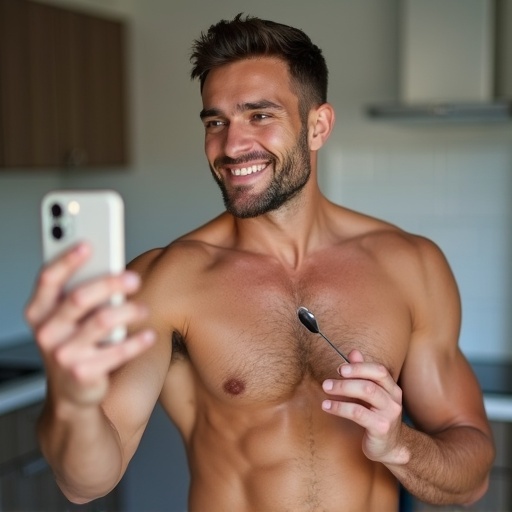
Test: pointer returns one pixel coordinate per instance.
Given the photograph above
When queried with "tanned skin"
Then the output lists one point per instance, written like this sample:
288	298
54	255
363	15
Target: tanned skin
271	419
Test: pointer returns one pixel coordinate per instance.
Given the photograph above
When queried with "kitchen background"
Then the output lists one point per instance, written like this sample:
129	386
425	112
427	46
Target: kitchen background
449	182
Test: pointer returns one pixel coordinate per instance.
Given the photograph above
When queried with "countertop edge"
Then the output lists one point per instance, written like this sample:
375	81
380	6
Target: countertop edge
498	407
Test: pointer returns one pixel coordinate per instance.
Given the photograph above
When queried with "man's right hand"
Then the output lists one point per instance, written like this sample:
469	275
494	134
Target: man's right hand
68	329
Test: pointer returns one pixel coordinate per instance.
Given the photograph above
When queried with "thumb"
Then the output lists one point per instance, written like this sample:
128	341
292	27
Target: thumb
355	356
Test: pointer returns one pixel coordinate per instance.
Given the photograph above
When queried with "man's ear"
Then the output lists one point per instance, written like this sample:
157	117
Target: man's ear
320	123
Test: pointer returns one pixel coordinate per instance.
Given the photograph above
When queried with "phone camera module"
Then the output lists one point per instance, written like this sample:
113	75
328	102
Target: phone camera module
57	232
56	209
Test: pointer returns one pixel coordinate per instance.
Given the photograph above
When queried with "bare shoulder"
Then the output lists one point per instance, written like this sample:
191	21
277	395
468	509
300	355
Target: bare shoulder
172	275
186	252
415	265
395	248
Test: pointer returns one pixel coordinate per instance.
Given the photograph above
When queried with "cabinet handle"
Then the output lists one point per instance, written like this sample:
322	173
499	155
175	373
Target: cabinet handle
76	157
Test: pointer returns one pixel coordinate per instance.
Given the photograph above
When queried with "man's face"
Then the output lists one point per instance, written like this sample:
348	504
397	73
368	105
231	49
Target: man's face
255	142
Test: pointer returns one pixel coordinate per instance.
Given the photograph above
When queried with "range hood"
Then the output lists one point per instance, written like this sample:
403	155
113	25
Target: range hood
455	62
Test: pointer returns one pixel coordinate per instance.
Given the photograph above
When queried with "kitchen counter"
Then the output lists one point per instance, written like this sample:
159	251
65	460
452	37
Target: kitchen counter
498	407
495	378
22	392
23	380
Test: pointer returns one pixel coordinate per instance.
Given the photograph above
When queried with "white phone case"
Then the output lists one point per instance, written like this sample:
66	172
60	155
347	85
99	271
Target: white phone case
95	216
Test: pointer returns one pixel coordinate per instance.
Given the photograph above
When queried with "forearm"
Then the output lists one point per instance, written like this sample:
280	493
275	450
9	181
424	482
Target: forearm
451	467
83	449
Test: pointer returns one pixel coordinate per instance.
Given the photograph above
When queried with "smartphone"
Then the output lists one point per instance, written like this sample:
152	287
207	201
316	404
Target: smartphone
94	216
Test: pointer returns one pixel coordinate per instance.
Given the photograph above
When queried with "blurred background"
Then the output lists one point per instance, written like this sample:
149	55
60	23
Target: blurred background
445	179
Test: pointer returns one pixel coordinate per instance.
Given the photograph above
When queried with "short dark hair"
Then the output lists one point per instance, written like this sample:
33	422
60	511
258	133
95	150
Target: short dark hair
229	41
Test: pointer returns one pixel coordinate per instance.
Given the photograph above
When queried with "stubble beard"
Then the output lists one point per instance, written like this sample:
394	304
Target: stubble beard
287	181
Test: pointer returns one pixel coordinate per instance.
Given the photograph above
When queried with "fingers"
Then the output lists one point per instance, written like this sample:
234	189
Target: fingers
361	390
79	310
372	372
82	378
51	282
366	394
69	327
363	402
88	363
78	365
355	356
96	327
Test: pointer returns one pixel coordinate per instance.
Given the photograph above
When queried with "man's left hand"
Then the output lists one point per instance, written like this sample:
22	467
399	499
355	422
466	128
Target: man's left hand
368	395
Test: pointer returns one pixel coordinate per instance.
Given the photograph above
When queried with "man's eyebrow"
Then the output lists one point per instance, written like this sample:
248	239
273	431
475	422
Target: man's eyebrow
259	105
210	112
242	107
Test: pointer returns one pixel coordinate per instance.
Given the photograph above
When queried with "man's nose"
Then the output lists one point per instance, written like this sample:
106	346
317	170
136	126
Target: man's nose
237	140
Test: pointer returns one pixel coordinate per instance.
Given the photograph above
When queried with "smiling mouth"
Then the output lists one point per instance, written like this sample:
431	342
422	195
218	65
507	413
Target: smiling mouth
245	171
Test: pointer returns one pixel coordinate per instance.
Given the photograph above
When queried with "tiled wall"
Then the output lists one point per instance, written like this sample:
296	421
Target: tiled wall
458	196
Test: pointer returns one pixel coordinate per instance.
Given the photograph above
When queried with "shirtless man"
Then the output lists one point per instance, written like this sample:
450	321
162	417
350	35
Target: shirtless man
271	418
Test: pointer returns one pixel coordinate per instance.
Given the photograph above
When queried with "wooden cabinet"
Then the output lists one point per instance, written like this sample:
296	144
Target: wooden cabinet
62	87
26	481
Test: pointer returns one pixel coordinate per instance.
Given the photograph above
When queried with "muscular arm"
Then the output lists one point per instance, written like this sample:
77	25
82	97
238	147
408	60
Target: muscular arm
448	467
83	450
450	455
89	446
446	456
97	402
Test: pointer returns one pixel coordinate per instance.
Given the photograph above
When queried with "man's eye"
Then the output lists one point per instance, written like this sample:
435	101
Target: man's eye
261	116
214	125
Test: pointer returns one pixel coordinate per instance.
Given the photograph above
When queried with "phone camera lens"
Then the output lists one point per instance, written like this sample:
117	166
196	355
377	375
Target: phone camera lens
57	232
56	210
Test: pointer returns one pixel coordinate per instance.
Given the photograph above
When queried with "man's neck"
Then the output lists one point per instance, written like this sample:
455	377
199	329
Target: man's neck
289	233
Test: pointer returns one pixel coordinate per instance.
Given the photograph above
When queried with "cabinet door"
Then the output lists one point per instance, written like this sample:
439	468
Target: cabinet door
62	100
90	86
26	481
28	104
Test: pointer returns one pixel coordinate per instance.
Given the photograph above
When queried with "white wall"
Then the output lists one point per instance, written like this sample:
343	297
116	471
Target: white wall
454	186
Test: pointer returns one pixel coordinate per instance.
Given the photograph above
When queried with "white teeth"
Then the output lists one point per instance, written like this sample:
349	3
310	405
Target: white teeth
244	171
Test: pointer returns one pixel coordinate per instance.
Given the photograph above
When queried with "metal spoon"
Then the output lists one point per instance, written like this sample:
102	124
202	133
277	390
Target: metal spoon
309	321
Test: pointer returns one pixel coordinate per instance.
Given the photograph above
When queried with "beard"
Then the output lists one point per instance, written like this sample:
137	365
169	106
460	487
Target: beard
287	181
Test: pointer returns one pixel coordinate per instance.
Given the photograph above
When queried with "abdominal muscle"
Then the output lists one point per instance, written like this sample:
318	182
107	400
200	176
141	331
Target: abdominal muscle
287	456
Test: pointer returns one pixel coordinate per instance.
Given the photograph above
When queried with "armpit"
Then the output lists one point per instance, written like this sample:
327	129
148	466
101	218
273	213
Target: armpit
179	348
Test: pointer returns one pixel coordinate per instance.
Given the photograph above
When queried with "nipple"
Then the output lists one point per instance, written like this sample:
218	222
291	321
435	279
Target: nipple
234	387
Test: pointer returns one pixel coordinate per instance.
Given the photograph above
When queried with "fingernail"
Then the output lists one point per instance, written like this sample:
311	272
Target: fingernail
328	385
131	279
326	405
345	370
81	248
148	336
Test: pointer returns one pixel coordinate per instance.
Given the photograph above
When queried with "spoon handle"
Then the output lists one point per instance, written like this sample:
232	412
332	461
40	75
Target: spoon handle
334	347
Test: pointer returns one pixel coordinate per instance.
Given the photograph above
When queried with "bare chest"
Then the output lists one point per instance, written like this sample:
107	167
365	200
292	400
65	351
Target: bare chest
245	341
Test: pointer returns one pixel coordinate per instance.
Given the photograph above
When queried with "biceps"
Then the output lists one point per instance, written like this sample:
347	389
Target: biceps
441	390
133	394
